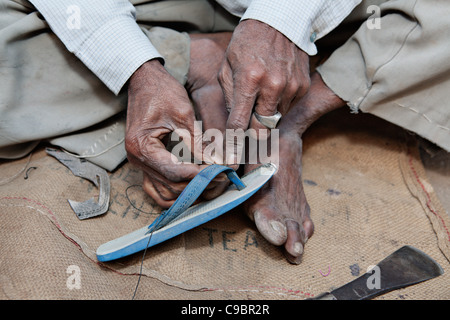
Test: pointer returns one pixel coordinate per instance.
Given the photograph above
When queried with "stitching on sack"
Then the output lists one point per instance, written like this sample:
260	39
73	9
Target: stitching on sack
49	214
256	289
55	221
428	203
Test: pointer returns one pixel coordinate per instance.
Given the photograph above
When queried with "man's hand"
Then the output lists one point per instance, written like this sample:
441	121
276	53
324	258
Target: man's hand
263	70
157	106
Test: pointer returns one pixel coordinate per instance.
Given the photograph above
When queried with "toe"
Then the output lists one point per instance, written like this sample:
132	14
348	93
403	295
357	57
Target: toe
295	242
270	228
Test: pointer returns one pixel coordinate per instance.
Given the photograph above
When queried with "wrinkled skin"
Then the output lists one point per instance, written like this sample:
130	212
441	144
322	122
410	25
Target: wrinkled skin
280	209
224	91
158	105
263	72
154	111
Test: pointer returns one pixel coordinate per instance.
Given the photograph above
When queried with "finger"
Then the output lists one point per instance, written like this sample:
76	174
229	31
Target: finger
150	189
213	150
210	106
165	192
289	96
225	79
167	164
269	100
211	110
271	93
173	188
216	187
245	91
239	120
215	191
189	136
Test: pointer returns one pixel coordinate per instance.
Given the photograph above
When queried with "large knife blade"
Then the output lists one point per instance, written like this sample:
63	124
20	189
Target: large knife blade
406	266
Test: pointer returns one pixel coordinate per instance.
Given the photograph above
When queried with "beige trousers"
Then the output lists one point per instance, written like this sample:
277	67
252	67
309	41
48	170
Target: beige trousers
398	67
46	93
399	72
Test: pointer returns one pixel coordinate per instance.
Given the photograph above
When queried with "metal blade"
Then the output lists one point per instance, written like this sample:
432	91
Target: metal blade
98	176
405	267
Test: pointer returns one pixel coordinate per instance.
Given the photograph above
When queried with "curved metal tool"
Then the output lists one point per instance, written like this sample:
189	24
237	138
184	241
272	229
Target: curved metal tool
98	176
406	266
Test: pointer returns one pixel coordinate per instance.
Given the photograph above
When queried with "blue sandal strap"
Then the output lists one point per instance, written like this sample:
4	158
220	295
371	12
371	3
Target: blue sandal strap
192	191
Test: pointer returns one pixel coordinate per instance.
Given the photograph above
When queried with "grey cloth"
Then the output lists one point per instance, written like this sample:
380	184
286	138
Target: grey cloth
47	94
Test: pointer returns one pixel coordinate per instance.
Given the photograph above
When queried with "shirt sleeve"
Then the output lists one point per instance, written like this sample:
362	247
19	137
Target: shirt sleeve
301	21
103	34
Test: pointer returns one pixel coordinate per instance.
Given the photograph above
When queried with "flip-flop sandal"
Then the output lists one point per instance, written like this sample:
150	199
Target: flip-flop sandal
183	215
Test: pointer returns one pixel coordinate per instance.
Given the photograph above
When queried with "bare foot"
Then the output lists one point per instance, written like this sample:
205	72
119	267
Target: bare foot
280	209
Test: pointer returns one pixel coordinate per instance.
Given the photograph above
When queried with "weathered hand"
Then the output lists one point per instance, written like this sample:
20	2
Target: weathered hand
264	72
158	105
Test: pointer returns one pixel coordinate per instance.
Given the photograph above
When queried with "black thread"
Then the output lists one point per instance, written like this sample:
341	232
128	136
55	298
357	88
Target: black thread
142	263
149	238
132	204
26	173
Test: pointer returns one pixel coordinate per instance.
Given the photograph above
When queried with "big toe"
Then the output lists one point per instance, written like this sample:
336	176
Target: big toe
270	228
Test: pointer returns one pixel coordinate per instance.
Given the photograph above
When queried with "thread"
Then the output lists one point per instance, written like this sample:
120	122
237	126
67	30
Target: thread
149	238
142	263
28	170
8	180
97	154
129	200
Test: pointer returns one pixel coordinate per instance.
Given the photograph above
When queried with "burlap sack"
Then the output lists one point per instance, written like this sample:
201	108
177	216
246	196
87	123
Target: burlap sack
364	181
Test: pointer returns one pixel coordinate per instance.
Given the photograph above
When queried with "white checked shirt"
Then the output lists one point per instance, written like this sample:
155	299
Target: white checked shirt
110	43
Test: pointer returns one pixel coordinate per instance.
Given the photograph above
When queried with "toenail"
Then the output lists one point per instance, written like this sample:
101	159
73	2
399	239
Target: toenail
278	226
298	248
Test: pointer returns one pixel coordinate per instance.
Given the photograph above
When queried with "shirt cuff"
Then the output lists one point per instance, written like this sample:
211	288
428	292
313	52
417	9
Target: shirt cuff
131	46
290	21
302	22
